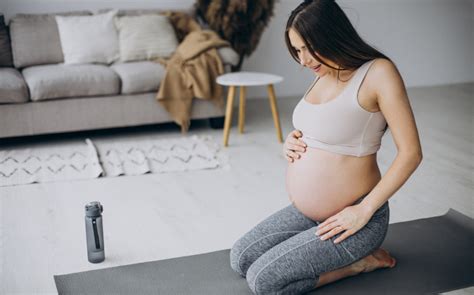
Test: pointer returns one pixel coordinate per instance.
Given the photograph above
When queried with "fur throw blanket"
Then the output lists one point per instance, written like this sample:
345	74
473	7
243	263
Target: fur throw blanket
241	22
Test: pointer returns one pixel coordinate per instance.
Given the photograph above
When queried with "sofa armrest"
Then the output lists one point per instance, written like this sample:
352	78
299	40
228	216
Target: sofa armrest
228	56
13	88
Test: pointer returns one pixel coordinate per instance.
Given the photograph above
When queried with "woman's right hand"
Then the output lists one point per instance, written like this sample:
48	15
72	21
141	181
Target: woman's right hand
293	146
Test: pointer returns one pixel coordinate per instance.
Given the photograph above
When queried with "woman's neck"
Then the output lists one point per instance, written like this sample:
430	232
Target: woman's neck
344	75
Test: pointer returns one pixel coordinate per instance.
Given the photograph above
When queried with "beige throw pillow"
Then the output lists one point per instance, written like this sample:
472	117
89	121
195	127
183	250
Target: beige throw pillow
88	39
145	37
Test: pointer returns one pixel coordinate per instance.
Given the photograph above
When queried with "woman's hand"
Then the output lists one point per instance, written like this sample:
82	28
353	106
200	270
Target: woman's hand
349	220
293	146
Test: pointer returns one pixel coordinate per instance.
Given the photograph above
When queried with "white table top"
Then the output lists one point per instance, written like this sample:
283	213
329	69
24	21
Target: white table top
248	79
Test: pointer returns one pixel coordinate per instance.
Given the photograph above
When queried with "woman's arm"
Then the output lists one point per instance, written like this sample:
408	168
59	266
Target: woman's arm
393	101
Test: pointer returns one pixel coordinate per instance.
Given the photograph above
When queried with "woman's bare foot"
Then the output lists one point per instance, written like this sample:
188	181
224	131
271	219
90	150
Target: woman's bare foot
377	259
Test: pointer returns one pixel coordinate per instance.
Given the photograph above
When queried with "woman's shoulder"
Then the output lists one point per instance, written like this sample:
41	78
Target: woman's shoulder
385	81
382	72
383	68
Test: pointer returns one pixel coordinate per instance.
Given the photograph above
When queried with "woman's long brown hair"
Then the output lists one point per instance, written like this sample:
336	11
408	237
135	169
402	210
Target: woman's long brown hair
327	30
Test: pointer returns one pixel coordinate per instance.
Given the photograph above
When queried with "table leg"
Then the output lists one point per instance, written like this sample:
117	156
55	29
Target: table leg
242	109
228	114
276	117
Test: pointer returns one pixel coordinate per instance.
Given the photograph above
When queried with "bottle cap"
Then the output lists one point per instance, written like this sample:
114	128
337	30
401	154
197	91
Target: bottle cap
94	209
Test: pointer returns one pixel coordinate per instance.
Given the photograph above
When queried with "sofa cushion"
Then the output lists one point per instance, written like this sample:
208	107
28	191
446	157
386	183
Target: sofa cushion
12	86
61	81
6	59
145	37
139	77
227	54
89	39
35	39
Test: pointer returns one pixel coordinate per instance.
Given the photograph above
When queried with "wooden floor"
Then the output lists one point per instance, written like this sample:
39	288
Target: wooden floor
160	216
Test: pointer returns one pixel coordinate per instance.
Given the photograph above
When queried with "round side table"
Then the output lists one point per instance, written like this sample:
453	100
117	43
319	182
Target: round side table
244	79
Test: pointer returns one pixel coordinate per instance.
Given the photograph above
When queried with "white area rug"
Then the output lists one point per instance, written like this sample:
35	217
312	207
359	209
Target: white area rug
49	163
133	157
109	158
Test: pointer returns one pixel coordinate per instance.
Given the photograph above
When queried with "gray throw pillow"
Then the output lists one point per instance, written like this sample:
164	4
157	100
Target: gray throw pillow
5	47
35	39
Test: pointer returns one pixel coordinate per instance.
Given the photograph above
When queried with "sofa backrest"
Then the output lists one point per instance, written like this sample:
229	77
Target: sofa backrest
137	12
35	39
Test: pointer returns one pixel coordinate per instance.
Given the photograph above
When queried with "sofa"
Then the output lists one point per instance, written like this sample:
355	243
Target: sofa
40	94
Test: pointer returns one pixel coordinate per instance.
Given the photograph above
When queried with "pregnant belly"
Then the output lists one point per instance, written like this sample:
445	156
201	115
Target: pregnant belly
320	183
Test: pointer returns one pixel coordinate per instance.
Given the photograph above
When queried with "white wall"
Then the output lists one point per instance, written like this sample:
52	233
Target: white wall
431	41
11	7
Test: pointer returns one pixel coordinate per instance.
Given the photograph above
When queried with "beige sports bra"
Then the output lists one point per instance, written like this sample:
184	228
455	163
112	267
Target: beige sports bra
341	125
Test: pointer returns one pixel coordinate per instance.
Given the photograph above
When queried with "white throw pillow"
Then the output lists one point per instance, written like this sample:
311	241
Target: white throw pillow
89	39
145	37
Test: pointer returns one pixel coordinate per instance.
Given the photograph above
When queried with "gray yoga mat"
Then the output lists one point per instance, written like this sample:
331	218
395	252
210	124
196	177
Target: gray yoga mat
434	255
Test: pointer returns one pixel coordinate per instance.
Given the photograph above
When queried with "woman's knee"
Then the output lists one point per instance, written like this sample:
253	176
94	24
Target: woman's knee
236	256
244	252
256	285
251	246
263	237
263	280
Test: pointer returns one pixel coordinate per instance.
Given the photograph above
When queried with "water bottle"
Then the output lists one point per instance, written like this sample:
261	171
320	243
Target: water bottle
94	232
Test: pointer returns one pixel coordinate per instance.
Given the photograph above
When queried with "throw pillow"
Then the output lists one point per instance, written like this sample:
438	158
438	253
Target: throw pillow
145	37
35	38
88	39
5	49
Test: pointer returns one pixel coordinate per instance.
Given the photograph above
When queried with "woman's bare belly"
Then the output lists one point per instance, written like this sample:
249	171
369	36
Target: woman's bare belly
321	184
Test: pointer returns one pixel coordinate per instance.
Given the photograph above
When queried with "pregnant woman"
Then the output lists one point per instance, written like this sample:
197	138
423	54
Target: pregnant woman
339	211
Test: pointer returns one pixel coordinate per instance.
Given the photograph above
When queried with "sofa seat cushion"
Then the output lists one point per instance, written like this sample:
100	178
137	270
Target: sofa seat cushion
62	81
139	77
12	86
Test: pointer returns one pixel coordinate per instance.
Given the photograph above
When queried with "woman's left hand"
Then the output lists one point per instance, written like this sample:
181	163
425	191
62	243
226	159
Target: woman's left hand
349	220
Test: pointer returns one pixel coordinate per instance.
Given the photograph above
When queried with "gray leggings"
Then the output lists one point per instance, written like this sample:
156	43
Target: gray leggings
282	254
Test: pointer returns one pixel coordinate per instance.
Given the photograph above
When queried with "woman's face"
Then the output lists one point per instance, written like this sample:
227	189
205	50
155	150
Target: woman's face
305	57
